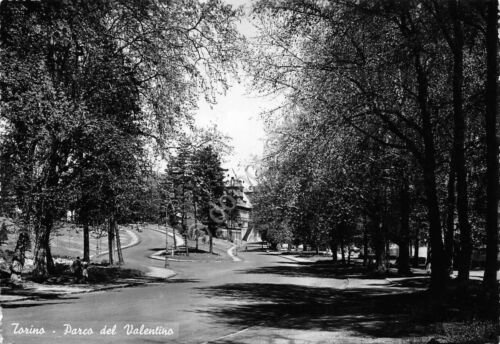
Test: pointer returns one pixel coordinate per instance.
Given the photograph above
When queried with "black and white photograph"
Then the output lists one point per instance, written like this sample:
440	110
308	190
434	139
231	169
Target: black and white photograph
249	171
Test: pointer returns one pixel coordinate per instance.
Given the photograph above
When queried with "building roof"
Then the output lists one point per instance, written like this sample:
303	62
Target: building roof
236	186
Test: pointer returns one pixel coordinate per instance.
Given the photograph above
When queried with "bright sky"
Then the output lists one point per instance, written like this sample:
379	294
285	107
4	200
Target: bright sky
236	113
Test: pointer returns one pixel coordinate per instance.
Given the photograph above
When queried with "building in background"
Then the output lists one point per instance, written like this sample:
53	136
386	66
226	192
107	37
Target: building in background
239	225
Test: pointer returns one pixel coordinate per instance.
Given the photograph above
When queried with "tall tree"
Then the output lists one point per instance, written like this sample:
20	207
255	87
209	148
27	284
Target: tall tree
490	273
393	71
207	167
106	74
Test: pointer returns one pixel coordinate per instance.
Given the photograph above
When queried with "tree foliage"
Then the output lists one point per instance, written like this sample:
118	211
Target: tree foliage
88	89
375	125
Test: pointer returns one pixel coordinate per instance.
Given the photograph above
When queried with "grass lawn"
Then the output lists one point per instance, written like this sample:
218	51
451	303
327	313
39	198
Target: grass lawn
66	242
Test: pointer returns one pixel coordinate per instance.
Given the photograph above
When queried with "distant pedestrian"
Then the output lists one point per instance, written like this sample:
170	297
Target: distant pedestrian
85	272
77	268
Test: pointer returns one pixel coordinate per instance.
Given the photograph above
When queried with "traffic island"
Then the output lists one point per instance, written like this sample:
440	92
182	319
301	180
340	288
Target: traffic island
194	256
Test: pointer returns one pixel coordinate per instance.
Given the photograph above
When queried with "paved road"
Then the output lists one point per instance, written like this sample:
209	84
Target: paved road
264	299
185	301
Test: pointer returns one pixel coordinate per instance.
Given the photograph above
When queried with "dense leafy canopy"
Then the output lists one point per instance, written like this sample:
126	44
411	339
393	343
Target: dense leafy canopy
90	91
381	128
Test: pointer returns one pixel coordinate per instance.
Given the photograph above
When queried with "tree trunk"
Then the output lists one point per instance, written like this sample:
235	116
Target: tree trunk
387	250
450	217
183	223
490	273
86	241
118	242
342	250
48	253
438	272
111	236
459	131
17	264
211	243
175	240
365	243
40	270
334	248
404	254
196	225
166	240
210	234
43	264
379	245
416	246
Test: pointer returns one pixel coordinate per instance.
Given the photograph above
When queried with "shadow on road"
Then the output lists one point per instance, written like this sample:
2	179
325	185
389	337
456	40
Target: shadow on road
379	312
321	269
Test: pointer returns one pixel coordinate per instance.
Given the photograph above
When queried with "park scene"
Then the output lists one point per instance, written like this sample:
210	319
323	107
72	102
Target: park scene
249	172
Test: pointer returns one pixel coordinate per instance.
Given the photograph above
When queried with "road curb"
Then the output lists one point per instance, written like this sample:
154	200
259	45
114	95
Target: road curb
156	256
233	257
119	286
171	274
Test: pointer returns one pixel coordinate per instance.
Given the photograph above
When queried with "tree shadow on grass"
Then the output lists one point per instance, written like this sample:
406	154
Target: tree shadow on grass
378	312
